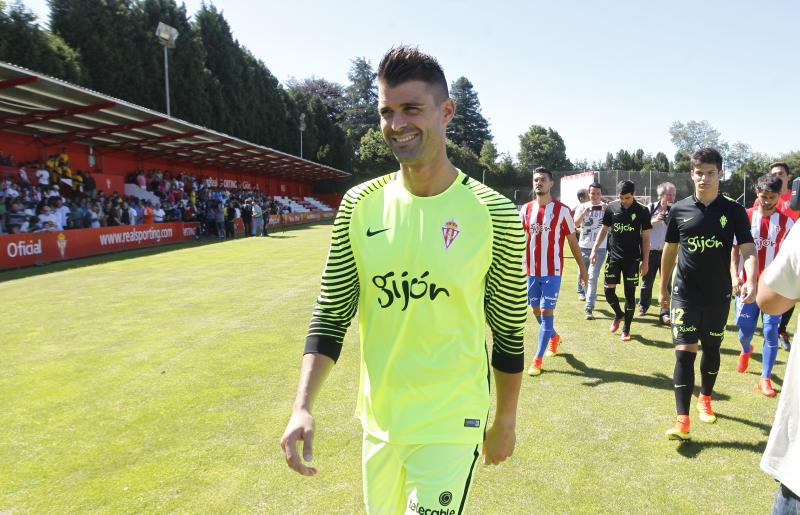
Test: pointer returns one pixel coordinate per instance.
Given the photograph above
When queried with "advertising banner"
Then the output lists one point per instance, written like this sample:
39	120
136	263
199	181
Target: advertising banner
18	250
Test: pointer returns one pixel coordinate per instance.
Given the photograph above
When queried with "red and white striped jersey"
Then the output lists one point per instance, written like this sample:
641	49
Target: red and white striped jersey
768	234
546	227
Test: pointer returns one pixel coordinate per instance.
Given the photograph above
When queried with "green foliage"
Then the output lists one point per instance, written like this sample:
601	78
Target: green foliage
468	128
24	43
690	136
542	147
748	172
488	155
375	157
361	100
793	160
465	159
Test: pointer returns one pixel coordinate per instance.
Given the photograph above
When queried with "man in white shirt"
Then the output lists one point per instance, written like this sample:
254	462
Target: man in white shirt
779	290
43	177
62	212
49	220
589	218
159	213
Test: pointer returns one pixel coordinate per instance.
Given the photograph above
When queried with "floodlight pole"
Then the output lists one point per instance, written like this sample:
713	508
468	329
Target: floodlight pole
166	76
302	128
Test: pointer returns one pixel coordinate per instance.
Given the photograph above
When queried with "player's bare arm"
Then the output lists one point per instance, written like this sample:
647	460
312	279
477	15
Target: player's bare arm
502	436
736	282
600	238
576	254
645	251
313	371
668	256
748	252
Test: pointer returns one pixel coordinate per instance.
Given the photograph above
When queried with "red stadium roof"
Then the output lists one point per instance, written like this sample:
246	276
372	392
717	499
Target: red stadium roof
55	111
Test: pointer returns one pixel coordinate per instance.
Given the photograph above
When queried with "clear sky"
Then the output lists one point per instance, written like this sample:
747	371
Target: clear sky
605	74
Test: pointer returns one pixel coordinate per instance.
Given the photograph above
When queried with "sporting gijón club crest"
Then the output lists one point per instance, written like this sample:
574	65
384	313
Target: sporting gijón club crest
450	232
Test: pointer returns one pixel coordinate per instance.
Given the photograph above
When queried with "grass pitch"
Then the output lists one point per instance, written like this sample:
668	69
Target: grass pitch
161	381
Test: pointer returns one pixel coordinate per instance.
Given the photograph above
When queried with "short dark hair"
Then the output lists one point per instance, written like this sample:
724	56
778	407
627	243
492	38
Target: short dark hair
780	164
596	185
583	193
625	187
542	169
406	63
707	156
769	183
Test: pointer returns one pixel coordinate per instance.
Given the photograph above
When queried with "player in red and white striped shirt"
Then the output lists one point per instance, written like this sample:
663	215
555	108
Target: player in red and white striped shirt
769	227
547	224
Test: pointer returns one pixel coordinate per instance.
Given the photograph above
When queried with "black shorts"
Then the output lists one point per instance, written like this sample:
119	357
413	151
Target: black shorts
693	324
616	269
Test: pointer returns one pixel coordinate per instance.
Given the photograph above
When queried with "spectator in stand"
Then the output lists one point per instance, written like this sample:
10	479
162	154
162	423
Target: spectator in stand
141	180
3	211
61	211
158	213
247	217
89	185
125	215
149	216
230	217
9	189
219	217
94	216
257	216
49	220
139	207
15	218
114	217
42	176
23	178
76	216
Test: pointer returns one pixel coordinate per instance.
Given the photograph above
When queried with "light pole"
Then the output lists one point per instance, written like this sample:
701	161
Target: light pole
302	128
166	37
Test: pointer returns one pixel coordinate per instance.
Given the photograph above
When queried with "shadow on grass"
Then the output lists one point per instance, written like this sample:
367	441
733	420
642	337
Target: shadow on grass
597	377
758	425
23	273
692	448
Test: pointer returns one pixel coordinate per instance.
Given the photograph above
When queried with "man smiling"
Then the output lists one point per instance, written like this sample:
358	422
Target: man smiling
428	256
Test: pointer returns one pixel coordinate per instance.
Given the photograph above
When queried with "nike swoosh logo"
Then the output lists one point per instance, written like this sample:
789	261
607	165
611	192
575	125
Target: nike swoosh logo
687	219
680	385
371	233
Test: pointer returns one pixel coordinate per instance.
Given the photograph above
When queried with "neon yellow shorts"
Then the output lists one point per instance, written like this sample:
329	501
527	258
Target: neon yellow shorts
430	479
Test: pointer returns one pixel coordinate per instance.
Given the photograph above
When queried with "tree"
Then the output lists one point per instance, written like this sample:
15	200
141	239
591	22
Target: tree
465	159
332	94
624	161
376	157
661	162
611	163
23	43
542	147
488	155
468	128
747	173
693	135
361	100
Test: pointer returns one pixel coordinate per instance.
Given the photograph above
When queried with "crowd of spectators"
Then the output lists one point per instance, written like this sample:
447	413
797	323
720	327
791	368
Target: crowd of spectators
50	196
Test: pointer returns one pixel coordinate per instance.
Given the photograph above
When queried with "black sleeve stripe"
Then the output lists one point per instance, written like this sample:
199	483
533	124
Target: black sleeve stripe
337	302
505	300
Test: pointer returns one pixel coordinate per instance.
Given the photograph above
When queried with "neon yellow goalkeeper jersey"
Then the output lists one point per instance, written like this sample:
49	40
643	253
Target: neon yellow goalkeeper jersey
426	274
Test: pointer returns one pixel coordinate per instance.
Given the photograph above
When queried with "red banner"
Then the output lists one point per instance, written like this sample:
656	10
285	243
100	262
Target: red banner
18	250
299	218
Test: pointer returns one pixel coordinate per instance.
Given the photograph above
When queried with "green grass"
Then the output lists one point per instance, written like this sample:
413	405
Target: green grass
161	381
